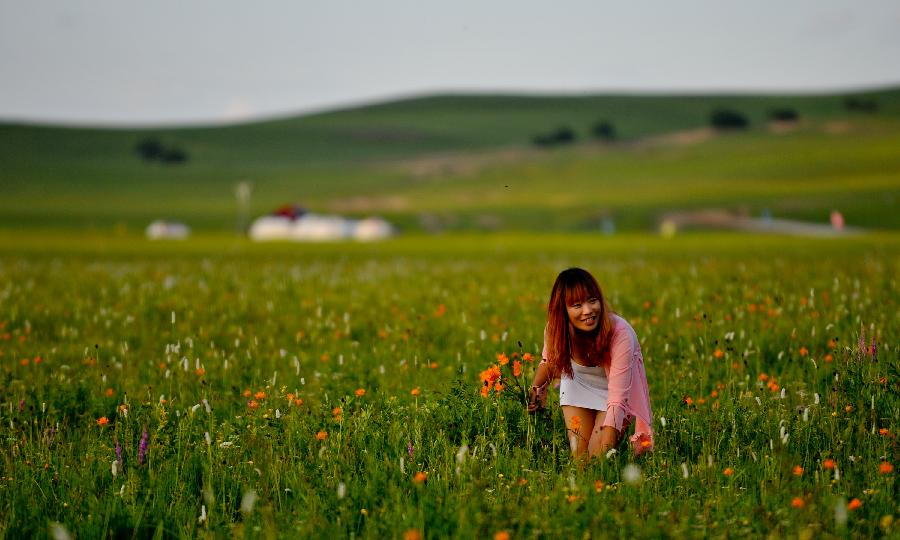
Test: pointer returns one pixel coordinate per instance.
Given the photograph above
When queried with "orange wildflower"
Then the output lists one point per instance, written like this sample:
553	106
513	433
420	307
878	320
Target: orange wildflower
298	402
718	353
854	504
688	400
503	359
502	535
102	421
290	396
885	468
415	392
336	412
798	470
412	534
109	392
420	477
763	377
797	502
828	464
260	395
200	371
433	365
714	394
728	471
360	392
804	351
247	393
253	404
322	435
572	498
517	368
598	486
498	387
527	357
24	361
828	357
38	359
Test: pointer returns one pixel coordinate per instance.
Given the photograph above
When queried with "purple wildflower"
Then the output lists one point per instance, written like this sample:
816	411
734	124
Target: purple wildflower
409	448
21	405
118	453
142	449
874	351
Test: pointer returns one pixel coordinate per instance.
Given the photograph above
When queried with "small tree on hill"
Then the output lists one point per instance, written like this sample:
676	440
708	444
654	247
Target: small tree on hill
562	135
604	130
150	149
727	119
784	115
859	104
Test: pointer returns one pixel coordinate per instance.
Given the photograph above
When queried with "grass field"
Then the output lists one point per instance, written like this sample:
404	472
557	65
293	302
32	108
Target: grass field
219	388
466	163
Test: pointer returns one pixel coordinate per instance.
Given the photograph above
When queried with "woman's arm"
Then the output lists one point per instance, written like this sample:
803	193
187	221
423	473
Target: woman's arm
537	395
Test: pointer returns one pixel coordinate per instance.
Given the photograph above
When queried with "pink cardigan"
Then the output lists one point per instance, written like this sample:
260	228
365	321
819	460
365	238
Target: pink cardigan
629	396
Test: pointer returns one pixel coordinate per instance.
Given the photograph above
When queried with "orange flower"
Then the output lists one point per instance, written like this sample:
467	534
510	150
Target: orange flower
484	390
24	361
804	351
498	387
883	431
885	468
832	344
260	395
360	392
854	504
412	534
828	357
688	400
298	402
490	375
718	353
415	392
322	435
797	502
109	392
848	408
502	535
420	477
102	421
253	404
503	359
200	371
336	412
517	368
714	394
798	470
433	365
290	396
38	360
598	486
763	377
828	464
247	393
572	498
527	357
728	471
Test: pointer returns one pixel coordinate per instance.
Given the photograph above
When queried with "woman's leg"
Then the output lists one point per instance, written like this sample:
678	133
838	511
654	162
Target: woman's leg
603	438
579	422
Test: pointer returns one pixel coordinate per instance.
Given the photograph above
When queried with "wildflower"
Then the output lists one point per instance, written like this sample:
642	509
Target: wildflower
885	468
763	377
828	358
498	387
420	477
247	393
298	402
798	470
260	395
718	353
501	535
412	534
200	371
854	504
142	447
828	464
804	351
517	368
874	350
797	502
321	435
119	453
109	392
598	486
688	400
503	359
883	431
527	357
848	408
102	421
415	392
728	471
360	392
253	404
572	498
336	412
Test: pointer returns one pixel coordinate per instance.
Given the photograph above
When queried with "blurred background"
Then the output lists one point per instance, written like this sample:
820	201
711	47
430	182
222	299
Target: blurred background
305	120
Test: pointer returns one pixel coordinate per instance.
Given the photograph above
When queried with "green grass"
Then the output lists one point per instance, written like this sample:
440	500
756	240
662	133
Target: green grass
122	321
462	158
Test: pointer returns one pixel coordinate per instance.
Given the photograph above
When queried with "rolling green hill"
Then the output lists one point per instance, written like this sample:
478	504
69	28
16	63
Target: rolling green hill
466	162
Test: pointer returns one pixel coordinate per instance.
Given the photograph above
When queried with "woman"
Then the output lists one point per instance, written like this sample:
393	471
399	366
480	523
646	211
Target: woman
596	355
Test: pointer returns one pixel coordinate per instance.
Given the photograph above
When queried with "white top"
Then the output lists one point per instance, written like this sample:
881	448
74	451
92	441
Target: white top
588	388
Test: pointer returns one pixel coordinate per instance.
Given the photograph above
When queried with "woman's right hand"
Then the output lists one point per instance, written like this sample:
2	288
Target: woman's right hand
537	397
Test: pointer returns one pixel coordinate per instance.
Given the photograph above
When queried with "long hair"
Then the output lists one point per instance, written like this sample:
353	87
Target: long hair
572	286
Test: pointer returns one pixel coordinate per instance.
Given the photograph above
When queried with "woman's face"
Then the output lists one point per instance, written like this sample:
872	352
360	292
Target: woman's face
585	315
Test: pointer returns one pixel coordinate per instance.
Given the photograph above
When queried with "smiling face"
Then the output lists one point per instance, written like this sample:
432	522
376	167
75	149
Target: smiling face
584	315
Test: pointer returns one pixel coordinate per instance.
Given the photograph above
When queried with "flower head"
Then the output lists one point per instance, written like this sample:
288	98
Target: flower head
102	421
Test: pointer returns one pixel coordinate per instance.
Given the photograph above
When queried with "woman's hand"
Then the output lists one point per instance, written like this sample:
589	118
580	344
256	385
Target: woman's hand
537	397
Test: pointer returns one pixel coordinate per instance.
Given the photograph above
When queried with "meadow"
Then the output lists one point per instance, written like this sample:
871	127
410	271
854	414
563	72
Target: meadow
215	388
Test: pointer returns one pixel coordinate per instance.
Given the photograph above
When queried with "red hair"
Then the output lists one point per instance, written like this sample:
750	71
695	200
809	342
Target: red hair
572	286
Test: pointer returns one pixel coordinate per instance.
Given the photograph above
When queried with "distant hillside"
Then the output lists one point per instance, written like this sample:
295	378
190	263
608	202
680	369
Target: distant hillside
51	176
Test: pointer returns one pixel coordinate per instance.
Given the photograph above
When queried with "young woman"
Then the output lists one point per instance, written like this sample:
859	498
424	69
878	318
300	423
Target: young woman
596	355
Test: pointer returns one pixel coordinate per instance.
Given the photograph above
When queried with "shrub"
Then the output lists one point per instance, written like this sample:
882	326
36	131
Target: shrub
604	130
562	135
728	119
784	115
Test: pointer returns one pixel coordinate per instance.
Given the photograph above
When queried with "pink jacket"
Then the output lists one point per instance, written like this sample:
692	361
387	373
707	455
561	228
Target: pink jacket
629	396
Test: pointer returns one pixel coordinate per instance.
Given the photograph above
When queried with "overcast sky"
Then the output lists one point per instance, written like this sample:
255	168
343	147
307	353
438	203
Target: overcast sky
190	61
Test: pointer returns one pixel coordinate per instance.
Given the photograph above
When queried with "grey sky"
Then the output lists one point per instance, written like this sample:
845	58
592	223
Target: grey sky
130	62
